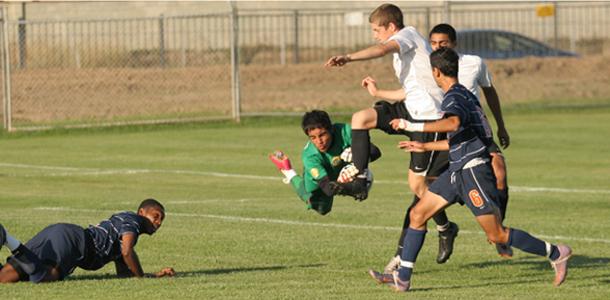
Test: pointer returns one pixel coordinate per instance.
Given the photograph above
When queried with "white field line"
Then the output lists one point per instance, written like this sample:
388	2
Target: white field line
73	171
316	224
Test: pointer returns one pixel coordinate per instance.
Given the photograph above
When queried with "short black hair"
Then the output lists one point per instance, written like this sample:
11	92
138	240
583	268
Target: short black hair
444	29
446	60
316	119
151	203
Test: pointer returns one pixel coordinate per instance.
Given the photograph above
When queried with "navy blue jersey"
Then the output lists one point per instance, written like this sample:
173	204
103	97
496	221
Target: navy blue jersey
107	235
473	136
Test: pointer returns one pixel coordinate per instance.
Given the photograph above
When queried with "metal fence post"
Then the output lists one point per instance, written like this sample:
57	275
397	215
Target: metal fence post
235	88
22	39
447	12
6	69
295	59
162	40
555	26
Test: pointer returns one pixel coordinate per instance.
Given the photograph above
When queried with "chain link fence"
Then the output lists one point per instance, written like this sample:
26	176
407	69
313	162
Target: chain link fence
173	68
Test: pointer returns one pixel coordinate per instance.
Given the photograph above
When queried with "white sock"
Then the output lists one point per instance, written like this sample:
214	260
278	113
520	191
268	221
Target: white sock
12	243
289	174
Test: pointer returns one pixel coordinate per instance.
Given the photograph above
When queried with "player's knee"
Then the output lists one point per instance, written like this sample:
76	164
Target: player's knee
364	119
417	218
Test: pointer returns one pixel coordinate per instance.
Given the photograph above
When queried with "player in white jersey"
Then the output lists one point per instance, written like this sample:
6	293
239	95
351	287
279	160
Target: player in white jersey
418	99
473	74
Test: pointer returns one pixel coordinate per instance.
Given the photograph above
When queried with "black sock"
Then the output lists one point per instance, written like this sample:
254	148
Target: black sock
441	218
361	146
405	226
503	195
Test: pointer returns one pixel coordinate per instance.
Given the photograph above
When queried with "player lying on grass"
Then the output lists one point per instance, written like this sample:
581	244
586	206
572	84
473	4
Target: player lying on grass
473	74
326	153
57	250
468	180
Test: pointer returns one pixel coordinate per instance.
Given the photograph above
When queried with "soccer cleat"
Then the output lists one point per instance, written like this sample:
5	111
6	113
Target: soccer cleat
2	236
504	250
560	265
356	188
445	242
392	265
398	285
280	160
381	278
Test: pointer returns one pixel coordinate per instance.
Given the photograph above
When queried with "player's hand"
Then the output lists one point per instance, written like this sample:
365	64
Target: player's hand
169	272
346	155
411	146
370	84
503	137
348	173
402	124
337	61
399	124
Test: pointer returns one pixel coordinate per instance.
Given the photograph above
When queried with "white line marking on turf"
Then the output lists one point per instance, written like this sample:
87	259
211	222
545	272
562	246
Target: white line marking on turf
332	225
73	171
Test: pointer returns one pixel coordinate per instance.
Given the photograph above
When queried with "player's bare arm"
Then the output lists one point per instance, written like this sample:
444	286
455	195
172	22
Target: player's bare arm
365	54
129	255
370	84
449	124
132	262
494	105
415	146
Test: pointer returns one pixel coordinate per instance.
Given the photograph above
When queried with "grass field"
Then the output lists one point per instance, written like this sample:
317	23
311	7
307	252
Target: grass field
234	231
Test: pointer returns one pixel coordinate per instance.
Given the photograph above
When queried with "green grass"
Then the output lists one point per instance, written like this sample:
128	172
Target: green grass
250	238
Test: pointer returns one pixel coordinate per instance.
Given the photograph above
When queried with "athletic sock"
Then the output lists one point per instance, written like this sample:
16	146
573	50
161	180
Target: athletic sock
527	243
441	220
360	149
503	194
414	240
12	243
289	174
552	251
405	226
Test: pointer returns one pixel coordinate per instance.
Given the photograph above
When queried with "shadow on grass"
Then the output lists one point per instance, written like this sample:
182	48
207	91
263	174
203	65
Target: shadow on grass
537	263
194	273
238	270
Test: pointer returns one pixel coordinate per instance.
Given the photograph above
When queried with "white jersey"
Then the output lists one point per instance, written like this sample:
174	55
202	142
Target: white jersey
412	67
473	74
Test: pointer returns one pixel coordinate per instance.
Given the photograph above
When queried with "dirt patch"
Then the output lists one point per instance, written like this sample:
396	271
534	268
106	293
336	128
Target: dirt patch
110	93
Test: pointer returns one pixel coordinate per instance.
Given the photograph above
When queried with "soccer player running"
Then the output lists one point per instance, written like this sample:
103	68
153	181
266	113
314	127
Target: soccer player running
474	74
326	153
419	99
469	179
54	253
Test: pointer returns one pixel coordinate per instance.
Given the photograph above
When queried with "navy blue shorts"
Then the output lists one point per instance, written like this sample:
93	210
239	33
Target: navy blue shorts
431	163
61	246
475	187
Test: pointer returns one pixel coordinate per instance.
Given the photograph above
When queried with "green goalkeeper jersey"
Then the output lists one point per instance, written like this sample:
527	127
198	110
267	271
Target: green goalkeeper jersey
317	165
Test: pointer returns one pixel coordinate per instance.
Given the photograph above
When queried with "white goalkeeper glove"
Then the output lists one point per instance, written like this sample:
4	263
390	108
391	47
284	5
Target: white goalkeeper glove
346	155
347	174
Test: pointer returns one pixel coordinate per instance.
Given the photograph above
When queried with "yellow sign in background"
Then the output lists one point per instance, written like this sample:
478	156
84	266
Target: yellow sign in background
545	10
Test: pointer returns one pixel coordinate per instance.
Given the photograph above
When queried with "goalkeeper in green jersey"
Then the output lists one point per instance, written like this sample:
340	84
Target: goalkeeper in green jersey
326	162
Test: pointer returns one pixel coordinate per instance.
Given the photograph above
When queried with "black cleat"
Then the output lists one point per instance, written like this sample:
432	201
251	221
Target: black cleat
356	188
445	242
